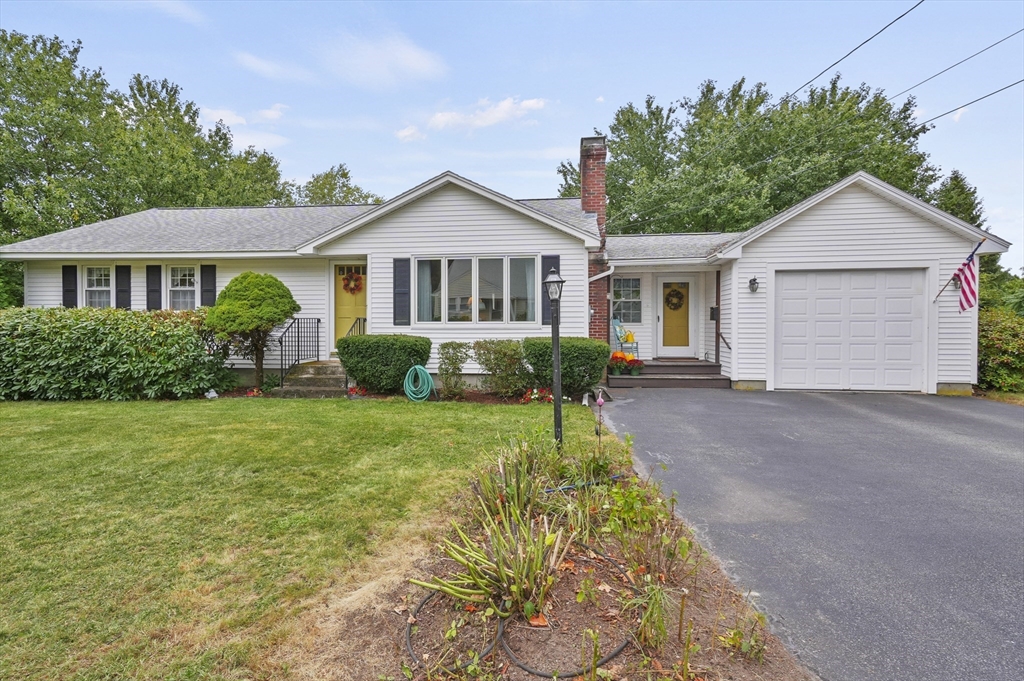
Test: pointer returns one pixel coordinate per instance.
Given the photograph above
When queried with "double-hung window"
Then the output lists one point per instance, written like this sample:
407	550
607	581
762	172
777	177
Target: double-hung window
183	288
485	289
97	287
626	300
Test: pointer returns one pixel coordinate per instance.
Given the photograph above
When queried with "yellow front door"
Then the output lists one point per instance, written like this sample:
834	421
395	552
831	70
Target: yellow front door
675	314
349	297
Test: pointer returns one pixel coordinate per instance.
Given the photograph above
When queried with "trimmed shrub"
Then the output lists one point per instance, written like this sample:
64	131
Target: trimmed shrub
247	310
1000	350
451	357
379	363
505	365
583	362
108	354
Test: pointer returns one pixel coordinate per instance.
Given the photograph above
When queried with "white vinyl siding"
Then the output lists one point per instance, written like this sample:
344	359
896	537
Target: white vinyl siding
727	320
453	222
857	229
43	284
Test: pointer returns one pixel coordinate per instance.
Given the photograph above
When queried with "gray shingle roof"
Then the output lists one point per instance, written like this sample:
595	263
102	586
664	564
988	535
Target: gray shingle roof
191	230
666	246
236	230
569	211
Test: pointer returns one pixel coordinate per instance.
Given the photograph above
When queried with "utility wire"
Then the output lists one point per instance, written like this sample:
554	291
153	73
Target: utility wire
996	92
807	168
860	113
958	63
790	95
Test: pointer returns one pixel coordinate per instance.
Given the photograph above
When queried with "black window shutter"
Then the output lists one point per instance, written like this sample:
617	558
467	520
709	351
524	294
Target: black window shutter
208	285
69	275
154	291
402	291
123	286
546	263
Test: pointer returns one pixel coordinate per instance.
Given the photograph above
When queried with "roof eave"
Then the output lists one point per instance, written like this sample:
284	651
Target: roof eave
148	255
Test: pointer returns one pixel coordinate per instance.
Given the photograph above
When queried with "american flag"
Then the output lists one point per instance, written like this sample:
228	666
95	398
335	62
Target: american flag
967	275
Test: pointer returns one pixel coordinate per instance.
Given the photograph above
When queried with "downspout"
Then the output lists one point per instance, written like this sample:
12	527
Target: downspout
602	275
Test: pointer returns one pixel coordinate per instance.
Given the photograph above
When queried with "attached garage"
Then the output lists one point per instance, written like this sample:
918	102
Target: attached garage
850	329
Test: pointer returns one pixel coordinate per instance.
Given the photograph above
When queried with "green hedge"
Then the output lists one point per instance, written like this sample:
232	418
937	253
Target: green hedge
504	364
108	354
379	363
583	362
1000	350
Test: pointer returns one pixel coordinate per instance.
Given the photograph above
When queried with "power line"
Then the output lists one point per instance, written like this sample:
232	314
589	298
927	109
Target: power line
788	96
841	123
817	165
957	64
996	92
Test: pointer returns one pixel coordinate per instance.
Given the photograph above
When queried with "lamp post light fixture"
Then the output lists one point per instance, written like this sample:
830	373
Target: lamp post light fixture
752	285
553	288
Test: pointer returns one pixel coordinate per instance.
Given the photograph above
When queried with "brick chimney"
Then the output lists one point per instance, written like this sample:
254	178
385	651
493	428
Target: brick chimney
593	154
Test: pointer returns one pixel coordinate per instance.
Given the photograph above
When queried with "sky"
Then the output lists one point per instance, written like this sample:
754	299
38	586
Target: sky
501	92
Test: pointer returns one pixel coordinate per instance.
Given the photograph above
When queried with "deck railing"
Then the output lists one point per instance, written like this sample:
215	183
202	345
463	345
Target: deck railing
298	342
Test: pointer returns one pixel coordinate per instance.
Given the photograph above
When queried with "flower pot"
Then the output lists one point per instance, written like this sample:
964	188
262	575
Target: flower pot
634	372
616	372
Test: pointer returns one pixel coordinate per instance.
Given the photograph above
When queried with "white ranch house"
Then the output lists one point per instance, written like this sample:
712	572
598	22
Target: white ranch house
835	293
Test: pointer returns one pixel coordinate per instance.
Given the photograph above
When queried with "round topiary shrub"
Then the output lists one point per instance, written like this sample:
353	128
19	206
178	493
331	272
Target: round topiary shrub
379	363
247	310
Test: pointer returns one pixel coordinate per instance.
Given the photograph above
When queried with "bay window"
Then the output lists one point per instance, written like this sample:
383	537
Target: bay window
484	289
97	287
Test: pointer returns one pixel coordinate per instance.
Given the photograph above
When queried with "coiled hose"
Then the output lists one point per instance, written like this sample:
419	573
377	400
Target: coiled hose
418	384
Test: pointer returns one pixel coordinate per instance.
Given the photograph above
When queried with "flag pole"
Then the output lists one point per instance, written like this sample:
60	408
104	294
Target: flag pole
983	240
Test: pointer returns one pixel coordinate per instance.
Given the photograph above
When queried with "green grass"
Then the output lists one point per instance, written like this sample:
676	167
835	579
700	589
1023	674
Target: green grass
177	540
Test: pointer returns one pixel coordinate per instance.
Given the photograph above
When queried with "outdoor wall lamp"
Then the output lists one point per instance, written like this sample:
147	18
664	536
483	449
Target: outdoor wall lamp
752	284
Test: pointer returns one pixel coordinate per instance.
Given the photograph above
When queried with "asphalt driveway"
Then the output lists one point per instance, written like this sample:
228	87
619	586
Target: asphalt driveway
883	534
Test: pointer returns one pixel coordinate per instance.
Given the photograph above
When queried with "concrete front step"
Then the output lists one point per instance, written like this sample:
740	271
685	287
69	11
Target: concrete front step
646	380
679	367
308	392
328	368
314	381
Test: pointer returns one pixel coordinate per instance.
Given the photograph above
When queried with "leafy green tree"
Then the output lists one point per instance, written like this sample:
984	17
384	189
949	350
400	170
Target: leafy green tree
246	312
332	187
959	198
731	157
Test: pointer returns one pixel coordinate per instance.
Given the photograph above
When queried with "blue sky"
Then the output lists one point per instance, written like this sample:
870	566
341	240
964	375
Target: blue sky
500	92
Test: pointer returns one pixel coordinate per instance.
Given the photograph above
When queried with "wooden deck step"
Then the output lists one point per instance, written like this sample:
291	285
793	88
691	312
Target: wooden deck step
680	367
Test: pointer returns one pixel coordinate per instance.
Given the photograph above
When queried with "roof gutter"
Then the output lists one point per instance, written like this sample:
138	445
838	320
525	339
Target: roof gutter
602	275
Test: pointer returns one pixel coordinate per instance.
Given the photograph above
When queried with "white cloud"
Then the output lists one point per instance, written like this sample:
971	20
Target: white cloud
210	116
244	138
382	63
487	114
274	113
179	10
409	134
600	98
273	70
958	114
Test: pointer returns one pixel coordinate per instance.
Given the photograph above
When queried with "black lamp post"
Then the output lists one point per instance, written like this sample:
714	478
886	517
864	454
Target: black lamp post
553	287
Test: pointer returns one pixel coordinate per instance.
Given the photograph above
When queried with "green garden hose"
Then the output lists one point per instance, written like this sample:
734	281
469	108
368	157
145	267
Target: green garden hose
418	384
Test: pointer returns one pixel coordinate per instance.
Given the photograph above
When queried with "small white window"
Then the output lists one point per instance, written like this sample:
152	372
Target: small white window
183	288
626	300
97	287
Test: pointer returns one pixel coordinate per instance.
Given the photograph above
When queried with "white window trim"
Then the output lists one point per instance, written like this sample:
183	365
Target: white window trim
84	302
196	287
640	289
474	275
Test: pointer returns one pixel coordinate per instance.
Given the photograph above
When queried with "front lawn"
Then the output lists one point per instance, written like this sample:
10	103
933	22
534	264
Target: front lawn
179	539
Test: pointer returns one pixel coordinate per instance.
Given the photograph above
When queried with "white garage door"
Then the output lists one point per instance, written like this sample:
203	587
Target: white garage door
850	330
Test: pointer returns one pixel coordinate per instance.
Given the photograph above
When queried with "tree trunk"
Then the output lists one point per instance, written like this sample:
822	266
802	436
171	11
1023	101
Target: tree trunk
258	361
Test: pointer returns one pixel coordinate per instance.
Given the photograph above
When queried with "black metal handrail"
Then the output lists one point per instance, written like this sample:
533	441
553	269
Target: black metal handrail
298	342
358	327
